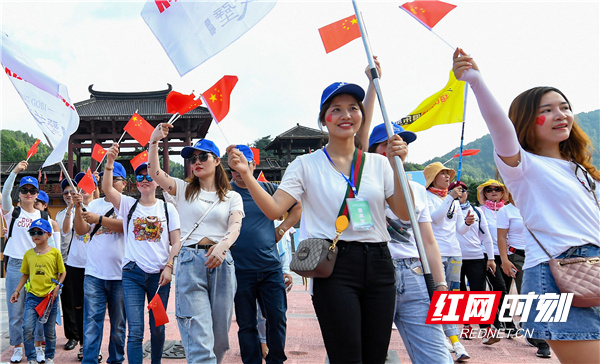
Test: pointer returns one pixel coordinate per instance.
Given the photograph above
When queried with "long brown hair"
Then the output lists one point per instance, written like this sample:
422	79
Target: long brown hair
326	105
221	182
523	112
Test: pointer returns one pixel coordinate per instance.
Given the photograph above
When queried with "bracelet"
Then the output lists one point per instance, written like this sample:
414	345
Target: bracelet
170	265
109	168
441	284
68	215
100	220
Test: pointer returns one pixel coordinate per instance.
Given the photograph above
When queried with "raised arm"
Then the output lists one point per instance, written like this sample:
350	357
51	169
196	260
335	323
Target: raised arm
369	104
166	182
7	202
112	195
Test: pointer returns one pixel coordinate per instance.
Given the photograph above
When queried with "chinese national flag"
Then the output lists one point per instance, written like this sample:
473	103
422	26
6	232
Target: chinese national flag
98	153
33	149
261	177
339	33
178	103
429	13
41	307
158	309
217	97
139	129
87	182
256	153
467	152
139	159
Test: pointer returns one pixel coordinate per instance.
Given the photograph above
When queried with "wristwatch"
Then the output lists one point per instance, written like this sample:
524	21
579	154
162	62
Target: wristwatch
281	231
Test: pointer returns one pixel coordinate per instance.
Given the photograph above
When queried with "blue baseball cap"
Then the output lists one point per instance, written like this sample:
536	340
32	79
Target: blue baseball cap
140	168
119	171
379	134
28	180
41	224
204	145
43	196
248	153
337	88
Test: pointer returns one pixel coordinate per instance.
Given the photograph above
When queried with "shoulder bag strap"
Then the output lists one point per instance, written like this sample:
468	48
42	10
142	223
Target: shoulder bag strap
97	227
537	241
200	220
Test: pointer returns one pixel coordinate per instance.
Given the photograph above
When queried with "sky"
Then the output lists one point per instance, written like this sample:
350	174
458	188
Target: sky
283	68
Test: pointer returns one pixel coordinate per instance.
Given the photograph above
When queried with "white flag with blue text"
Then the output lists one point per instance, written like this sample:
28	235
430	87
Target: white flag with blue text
193	31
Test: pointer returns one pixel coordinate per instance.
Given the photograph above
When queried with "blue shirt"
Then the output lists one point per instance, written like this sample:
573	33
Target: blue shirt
255	248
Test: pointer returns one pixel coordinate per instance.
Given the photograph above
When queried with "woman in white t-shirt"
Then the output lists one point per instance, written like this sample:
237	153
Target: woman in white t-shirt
355	305
539	150
511	242
206	282
151	229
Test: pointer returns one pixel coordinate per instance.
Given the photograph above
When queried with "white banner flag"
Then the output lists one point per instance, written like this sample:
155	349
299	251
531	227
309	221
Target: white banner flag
193	31
47	100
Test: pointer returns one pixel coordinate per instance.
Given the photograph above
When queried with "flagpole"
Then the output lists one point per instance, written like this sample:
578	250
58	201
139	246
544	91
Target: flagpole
174	118
406	192
462	134
215	120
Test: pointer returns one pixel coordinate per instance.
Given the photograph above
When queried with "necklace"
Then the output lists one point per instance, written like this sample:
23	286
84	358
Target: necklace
40	252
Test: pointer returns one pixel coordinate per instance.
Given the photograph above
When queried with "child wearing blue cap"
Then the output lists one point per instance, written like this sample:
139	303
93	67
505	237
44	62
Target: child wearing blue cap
43	267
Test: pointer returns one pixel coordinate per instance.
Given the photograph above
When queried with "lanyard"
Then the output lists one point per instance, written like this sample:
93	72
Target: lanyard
350	181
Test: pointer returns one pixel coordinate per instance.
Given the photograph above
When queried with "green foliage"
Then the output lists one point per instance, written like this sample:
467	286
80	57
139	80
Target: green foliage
15	144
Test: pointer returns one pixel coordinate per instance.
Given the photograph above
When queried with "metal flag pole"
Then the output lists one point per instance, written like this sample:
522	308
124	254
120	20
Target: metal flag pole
397	162
462	134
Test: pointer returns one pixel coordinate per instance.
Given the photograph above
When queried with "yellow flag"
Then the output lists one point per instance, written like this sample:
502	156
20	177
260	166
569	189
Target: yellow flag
445	107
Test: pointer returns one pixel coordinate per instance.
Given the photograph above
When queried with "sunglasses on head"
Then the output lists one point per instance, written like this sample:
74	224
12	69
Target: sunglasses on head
31	191
141	177
36	232
493	189
202	157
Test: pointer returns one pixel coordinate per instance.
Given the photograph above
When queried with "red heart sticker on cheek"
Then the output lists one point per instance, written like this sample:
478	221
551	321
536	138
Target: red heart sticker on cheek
329	117
540	120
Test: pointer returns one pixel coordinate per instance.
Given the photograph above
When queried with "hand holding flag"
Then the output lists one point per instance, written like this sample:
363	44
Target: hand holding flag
32	150
340	33
139	129
41	307
158	310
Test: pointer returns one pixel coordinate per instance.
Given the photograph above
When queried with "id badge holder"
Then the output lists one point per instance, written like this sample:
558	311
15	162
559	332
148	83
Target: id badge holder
360	214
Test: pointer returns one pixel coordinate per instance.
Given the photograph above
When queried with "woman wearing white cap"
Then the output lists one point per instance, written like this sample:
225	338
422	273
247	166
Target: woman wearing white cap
206	283
355	305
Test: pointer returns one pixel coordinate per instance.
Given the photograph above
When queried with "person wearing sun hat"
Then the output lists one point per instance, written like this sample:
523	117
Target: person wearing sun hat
204	314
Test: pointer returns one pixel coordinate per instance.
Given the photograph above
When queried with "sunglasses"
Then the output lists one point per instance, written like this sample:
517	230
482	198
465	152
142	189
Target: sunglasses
465	190
202	157
36	232
493	189
141	177
68	193
31	191
118	179
584	178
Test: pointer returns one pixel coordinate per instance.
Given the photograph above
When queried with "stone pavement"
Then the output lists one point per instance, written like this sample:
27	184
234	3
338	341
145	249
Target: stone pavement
304	342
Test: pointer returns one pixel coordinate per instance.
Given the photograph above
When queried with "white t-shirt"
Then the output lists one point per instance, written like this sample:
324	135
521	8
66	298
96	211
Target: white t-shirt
20	240
510	218
214	225
445	229
553	203
64	237
403	250
321	188
78	252
147	238
473	239
106	248
491	217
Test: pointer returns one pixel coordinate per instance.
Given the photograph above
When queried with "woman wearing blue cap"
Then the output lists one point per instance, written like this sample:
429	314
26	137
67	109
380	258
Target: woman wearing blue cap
205	272
355	305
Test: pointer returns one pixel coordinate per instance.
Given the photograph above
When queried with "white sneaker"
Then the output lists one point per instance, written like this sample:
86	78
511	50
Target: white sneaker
17	355
449	345
491	337
49	361
460	353
40	355
32	362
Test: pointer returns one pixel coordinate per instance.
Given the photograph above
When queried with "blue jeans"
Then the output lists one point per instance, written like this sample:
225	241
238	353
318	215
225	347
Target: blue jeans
424	343
15	310
204	305
452	267
98	294
137	285
269	289
31	319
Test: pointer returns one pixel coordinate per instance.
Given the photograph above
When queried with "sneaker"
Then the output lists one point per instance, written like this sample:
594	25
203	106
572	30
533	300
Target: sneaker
491	337
465	333
49	361
543	350
17	355
40	355
449	345
80	354
100	356
460	354
532	342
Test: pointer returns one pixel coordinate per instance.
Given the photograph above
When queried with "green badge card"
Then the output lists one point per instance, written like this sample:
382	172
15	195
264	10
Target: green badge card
360	214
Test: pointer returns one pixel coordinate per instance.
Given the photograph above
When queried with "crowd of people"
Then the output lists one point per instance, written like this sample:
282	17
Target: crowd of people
217	236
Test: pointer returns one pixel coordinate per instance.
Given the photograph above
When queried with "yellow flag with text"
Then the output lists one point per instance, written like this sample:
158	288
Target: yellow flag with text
447	106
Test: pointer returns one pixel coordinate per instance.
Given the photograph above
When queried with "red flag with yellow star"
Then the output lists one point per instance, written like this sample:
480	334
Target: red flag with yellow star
339	33
429	13
180	103
261	177
33	149
41	307
87	182
158	309
139	129
98	153
139	159
217	97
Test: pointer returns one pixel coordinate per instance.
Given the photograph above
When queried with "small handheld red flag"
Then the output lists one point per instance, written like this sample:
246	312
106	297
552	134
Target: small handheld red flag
340	33
41	307
139	159
60	176
39	174
45	178
217	97
139	129
158	309
180	103
467	152
33	149
98	153
256	153
87	182
261	177
429	12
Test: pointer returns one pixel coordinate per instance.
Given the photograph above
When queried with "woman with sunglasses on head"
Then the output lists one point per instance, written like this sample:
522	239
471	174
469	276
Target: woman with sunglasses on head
18	243
205	272
151	229
539	149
